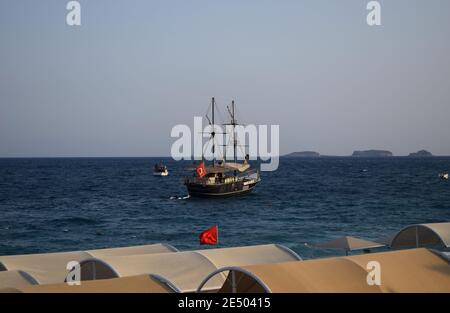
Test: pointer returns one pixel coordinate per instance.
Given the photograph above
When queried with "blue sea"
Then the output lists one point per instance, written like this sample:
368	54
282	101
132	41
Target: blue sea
62	204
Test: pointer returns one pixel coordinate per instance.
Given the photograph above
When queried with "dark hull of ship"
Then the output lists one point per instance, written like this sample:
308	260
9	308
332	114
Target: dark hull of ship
219	190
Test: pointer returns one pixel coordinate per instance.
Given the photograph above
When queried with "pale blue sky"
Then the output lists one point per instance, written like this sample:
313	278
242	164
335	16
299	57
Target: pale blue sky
116	85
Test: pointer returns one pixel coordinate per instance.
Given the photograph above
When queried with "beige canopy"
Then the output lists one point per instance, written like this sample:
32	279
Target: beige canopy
49	268
239	256
416	270
15	278
9	290
132	250
322	275
134	284
183	271
386	239
46	268
421	235
348	243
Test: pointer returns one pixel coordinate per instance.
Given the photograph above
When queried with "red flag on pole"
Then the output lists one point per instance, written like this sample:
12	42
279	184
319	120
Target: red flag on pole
201	171
210	236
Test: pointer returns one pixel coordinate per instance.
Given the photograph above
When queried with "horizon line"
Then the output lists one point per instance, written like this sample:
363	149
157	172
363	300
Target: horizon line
166	157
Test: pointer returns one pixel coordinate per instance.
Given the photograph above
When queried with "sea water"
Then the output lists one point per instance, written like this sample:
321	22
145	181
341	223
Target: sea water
65	204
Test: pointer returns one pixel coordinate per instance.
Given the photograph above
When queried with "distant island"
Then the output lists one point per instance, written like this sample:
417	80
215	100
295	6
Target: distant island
303	154
372	153
421	154
359	153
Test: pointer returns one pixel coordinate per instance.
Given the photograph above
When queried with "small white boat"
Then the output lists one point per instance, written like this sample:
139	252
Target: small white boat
160	170
165	173
443	176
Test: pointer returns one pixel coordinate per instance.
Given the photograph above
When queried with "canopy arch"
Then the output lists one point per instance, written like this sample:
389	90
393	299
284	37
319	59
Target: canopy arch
93	269
322	275
422	235
411	270
180	271
51	268
16	278
237	275
186	270
134	284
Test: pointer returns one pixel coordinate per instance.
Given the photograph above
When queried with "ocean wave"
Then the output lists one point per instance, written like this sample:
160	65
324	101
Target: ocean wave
74	220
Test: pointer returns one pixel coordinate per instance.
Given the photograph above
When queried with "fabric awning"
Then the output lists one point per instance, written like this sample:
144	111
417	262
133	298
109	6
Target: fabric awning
422	235
237	256
49	268
134	284
46	268
15	278
133	250
415	270
348	243
185	270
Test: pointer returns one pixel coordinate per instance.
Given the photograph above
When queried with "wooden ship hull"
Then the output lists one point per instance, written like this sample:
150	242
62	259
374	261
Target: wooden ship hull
205	190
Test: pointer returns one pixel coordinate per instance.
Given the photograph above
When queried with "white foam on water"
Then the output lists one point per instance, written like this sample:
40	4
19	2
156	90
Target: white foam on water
179	198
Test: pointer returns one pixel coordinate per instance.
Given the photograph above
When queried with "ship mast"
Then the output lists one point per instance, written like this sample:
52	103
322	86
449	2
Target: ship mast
212	132
233	122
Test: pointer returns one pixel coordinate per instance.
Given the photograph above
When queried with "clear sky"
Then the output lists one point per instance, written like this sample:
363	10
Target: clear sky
117	85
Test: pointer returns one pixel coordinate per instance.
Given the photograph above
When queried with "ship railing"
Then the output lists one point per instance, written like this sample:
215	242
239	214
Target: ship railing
250	174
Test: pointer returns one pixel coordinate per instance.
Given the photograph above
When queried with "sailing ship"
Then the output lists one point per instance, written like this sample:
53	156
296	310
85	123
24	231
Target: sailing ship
221	178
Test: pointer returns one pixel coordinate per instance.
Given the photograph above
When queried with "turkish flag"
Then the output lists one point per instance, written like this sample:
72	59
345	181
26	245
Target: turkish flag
201	171
210	236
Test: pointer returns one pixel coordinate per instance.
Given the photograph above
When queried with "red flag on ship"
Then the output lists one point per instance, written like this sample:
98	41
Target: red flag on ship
201	171
210	236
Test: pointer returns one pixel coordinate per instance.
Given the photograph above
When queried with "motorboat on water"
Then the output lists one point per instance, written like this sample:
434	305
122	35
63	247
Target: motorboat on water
443	176
160	170
221	178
